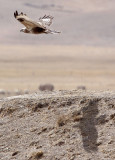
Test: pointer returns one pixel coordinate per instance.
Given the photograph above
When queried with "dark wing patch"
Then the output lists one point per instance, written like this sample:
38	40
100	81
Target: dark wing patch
45	16
20	19
38	30
15	14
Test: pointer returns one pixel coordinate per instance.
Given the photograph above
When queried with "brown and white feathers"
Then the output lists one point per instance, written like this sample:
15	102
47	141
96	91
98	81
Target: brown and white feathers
35	27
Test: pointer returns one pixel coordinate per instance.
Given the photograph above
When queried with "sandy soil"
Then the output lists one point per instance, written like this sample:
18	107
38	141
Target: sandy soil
66	67
65	125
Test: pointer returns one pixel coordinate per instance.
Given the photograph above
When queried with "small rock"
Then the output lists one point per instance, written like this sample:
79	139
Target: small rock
15	153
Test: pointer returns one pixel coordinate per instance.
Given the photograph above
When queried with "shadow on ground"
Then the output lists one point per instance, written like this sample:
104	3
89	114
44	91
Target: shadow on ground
88	125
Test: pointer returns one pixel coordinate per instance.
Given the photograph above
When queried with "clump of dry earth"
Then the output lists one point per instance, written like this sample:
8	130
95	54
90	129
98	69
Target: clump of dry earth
63	125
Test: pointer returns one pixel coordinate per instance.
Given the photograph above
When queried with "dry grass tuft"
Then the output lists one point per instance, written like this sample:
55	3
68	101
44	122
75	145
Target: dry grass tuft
36	108
62	120
46	87
76	116
7	111
36	155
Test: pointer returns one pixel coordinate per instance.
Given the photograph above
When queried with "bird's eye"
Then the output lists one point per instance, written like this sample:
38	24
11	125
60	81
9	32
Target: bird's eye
21	19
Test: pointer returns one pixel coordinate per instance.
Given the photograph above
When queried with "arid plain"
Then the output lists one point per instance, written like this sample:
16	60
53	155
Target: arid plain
66	67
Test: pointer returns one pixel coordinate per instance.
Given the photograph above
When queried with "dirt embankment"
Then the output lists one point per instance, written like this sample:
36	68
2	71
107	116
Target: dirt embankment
64	125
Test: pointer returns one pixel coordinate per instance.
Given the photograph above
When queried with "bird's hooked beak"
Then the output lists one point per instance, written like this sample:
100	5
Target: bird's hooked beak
21	30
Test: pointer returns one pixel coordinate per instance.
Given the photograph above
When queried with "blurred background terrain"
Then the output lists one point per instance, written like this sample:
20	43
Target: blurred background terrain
83	55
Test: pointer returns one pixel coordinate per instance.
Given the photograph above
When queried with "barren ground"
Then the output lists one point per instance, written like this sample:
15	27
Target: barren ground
66	67
65	125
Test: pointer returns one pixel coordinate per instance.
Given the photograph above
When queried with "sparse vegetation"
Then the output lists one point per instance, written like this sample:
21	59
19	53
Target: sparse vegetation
77	116
46	87
7	111
36	155
37	107
78	123
61	120
87	68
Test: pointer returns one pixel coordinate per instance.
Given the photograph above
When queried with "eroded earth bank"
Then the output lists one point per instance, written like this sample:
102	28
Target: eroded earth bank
63	125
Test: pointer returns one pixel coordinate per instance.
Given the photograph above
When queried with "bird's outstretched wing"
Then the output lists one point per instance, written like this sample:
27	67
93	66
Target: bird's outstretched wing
27	22
46	20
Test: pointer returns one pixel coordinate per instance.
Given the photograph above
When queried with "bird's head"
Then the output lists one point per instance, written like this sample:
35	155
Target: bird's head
22	30
25	30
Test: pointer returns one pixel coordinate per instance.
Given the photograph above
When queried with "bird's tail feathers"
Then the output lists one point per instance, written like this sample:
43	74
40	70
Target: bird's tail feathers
52	32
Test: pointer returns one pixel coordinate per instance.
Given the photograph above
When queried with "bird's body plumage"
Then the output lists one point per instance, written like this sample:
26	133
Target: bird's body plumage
35	27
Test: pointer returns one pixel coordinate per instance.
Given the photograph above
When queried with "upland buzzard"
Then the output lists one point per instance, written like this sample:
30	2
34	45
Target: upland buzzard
35	27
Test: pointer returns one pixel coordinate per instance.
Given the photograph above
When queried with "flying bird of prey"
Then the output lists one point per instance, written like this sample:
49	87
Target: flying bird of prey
35	27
